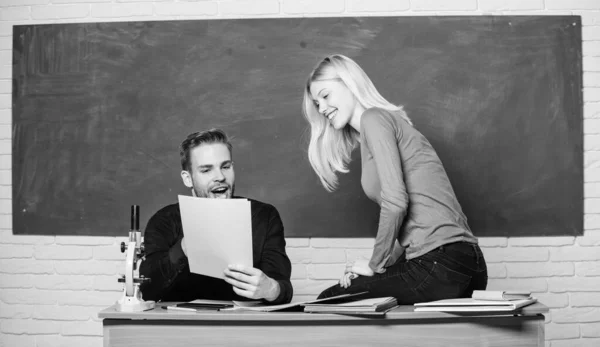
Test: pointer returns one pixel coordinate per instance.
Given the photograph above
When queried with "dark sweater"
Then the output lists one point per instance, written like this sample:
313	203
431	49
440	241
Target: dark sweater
167	266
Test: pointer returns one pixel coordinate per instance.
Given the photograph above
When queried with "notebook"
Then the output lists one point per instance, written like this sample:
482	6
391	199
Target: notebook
500	295
294	306
201	305
472	305
365	306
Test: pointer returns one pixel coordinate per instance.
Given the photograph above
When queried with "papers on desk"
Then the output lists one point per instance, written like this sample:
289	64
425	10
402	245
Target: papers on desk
472	305
294	306
342	304
217	232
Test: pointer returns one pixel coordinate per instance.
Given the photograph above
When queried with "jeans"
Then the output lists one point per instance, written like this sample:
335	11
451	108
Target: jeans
450	271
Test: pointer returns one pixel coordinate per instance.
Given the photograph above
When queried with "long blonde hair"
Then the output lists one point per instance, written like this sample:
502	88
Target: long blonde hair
330	150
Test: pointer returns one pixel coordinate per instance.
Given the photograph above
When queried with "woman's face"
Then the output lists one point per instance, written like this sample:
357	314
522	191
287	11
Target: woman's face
334	101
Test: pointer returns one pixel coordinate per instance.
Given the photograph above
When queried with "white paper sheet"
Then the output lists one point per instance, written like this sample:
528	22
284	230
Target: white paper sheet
217	232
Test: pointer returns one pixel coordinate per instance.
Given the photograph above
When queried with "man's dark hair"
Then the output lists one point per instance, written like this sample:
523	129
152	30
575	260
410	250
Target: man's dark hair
200	138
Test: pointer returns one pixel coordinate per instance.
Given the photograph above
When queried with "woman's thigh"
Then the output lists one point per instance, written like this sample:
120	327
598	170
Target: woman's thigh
439	274
401	280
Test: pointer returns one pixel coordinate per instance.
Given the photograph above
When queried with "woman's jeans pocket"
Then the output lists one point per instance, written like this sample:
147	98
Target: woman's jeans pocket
442	282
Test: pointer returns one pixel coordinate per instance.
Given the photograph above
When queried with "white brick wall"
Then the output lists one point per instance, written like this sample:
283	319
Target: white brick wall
51	288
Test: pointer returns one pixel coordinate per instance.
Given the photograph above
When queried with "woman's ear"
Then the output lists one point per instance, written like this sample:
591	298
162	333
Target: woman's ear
186	177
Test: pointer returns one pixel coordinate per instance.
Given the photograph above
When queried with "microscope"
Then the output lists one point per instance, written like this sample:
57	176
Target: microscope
132	301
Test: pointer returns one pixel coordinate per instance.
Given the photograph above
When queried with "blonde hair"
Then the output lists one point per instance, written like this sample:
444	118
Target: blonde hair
330	150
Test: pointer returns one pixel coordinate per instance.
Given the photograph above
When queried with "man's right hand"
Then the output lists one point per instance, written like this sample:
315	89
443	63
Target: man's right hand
183	246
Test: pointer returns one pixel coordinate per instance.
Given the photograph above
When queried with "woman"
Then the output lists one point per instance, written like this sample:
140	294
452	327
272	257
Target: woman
424	250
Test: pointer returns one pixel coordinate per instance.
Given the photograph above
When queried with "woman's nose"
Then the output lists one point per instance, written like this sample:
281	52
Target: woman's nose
322	108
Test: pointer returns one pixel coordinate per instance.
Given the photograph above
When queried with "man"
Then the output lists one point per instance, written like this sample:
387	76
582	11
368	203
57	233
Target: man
207	169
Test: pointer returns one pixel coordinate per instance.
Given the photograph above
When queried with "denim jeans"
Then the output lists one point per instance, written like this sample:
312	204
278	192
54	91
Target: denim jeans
449	271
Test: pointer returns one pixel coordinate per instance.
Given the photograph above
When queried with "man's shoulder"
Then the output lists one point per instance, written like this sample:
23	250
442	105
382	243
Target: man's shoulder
167	211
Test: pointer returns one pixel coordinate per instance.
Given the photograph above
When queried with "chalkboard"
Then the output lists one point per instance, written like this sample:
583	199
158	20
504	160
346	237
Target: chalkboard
99	110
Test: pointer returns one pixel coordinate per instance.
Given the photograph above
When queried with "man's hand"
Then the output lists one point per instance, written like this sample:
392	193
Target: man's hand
251	283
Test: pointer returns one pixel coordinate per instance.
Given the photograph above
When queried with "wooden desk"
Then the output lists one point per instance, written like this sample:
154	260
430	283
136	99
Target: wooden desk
400	327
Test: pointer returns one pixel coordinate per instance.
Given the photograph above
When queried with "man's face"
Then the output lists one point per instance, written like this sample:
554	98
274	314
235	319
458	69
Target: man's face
211	174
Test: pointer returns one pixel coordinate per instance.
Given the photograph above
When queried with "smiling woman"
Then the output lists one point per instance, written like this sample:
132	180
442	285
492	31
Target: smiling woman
424	253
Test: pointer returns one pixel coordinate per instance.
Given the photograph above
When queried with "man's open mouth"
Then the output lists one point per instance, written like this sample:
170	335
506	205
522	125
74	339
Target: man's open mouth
220	190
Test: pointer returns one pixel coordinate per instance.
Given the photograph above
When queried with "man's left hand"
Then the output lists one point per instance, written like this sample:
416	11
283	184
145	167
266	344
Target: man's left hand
251	283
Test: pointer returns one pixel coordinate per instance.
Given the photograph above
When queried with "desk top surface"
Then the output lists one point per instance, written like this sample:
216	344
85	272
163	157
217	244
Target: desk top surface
399	313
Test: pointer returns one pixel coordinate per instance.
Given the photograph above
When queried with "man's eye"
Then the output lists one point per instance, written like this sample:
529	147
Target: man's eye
227	167
204	170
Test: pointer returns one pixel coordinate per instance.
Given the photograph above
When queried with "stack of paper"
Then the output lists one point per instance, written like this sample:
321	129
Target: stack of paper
472	305
217	232
372	305
500	295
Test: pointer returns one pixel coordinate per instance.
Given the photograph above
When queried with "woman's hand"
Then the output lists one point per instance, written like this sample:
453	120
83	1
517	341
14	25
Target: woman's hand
353	270
361	267
346	280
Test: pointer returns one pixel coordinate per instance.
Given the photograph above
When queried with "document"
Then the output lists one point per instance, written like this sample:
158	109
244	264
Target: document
217	232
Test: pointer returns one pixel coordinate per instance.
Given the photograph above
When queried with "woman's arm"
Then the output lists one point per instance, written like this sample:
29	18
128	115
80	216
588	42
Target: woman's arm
381	133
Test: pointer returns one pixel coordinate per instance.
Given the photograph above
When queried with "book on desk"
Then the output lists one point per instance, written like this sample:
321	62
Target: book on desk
480	301
294	306
200	305
354	303
370	306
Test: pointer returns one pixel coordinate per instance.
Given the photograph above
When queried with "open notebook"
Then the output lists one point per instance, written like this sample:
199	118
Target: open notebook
294	306
364	306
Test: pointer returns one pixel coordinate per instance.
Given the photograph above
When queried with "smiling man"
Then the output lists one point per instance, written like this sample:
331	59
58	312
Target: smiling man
207	169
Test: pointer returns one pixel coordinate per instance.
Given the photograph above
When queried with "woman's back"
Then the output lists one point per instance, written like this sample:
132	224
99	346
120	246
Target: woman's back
415	181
